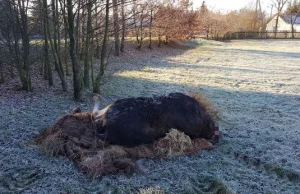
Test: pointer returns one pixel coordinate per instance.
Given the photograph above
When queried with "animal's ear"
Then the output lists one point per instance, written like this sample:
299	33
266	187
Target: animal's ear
96	116
76	110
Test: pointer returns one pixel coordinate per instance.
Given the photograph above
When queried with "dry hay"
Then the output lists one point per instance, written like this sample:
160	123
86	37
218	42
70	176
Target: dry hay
173	144
74	136
110	160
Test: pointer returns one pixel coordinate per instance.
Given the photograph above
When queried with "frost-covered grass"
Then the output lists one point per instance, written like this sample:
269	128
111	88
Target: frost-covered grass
255	85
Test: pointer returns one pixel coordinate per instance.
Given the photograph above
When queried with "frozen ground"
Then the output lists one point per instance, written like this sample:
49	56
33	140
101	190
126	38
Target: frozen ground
255	85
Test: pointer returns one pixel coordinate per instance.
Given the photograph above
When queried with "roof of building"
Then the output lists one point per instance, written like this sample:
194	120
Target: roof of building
287	18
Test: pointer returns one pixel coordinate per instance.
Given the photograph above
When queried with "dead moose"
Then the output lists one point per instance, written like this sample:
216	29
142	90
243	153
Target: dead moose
134	121
166	126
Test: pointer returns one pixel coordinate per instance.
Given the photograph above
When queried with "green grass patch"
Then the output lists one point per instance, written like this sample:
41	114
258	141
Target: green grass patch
208	185
281	172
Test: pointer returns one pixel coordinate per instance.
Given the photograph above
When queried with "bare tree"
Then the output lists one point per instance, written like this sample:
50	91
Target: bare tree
152	6
86	77
123	25
7	30
47	67
293	11
176	21
15	33
116	27
96	86
278	4
85	26
65	20
77	80
53	43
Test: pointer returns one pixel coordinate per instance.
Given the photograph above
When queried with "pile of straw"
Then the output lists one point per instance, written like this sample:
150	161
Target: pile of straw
74	136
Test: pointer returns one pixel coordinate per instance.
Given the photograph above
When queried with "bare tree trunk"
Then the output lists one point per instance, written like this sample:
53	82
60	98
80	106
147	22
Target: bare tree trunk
140	42
11	50
77	29
56	55
26	82
11	71
10	28
54	29
97	52
136	28
96	86
91	59
17	36
123	27
16	47
167	40
76	68
159	40
279	4
58	34
45	69
82	30
86	77
2	78
66	50
66	58
150	29
292	22
45	58
116	27
276	24
48	71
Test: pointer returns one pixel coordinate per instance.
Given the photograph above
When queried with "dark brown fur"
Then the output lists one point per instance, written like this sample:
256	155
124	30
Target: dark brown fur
135	121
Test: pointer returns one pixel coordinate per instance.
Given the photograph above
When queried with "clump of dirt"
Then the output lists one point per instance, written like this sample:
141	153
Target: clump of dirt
109	160
74	136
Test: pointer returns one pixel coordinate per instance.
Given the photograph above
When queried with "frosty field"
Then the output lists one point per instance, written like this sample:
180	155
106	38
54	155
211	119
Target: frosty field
254	84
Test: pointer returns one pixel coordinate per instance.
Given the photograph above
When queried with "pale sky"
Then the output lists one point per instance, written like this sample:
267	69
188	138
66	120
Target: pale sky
227	5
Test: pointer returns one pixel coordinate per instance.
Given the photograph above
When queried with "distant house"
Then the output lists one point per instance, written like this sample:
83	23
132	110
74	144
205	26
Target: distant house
284	23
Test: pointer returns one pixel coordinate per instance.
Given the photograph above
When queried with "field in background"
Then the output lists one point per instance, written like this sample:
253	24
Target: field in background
255	85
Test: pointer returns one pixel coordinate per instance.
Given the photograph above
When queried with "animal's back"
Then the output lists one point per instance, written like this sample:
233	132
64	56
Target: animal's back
131	122
135	121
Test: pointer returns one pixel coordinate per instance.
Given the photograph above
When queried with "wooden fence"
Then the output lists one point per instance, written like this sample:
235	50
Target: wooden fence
261	35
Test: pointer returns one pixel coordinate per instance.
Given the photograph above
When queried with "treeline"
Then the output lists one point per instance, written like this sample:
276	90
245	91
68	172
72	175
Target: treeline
250	18
73	34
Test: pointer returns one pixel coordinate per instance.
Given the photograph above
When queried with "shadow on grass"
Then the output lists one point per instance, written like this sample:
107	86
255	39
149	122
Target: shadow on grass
258	121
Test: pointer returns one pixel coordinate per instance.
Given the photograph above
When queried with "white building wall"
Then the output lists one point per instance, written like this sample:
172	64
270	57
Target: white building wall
282	25
297	27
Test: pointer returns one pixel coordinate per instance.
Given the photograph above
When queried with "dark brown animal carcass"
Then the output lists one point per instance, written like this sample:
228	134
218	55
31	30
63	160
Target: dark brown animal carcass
135	121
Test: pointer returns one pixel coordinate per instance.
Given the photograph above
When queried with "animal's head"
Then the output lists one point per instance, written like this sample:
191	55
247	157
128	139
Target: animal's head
211	132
